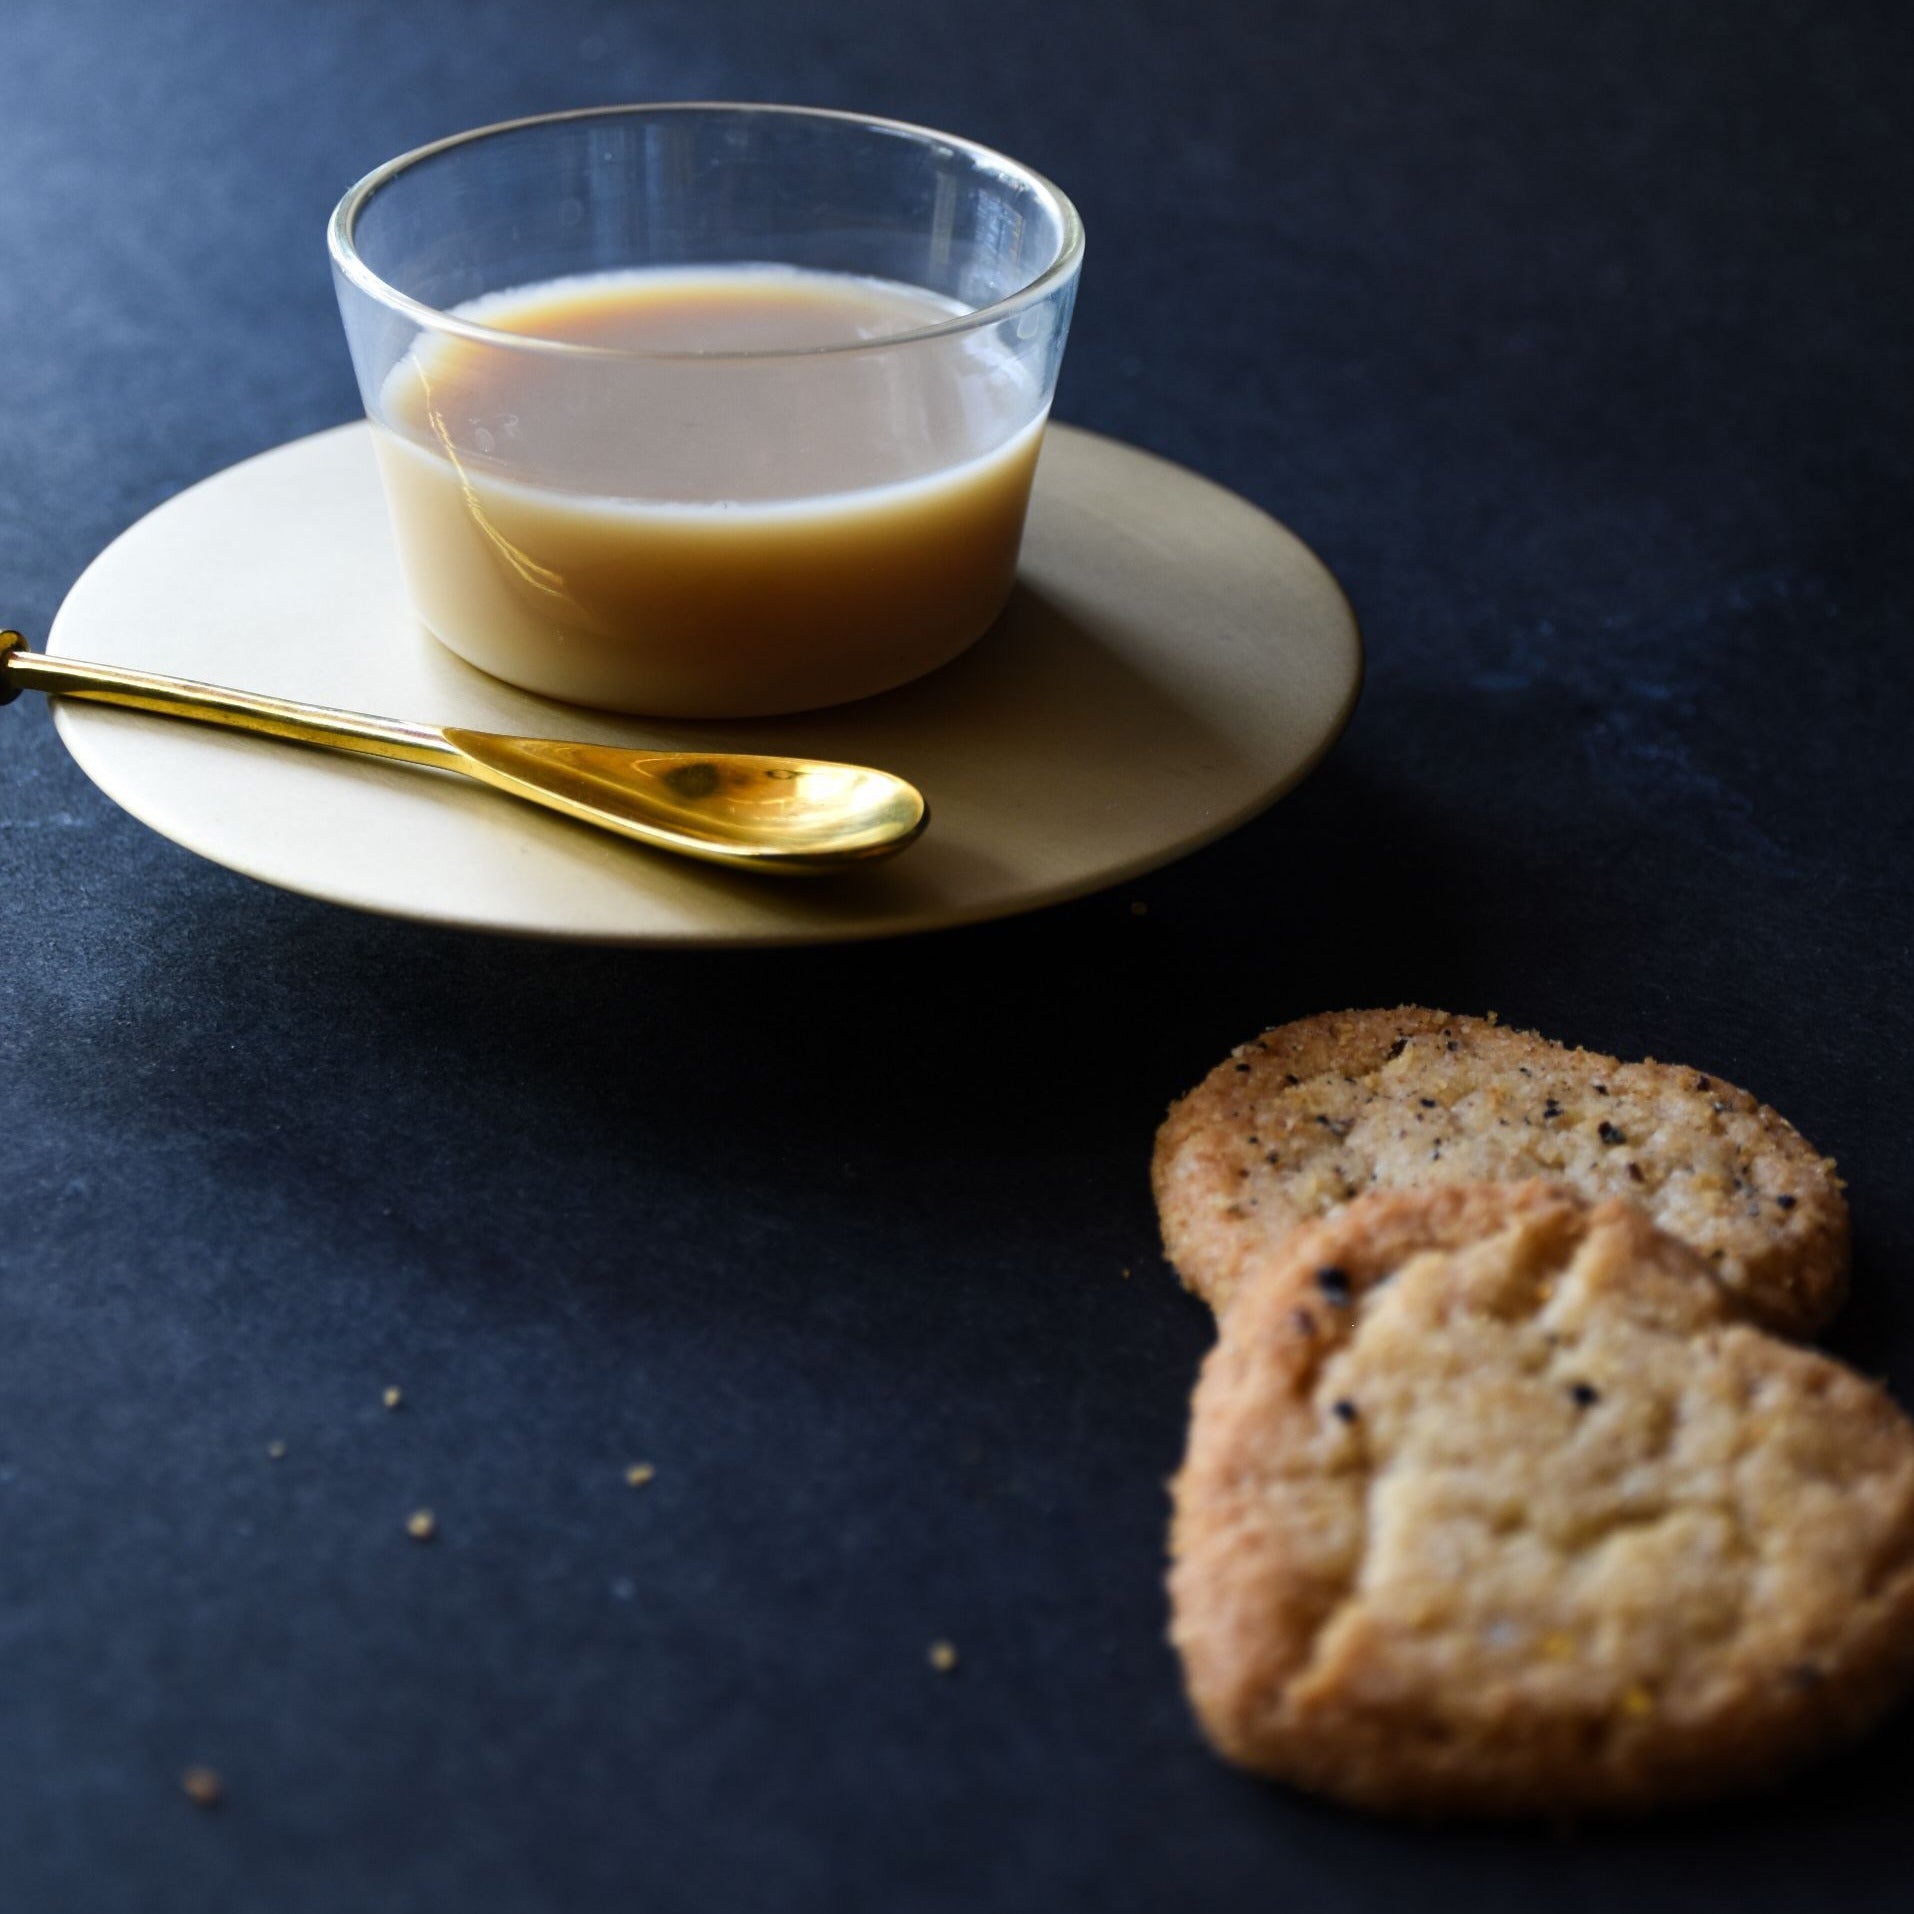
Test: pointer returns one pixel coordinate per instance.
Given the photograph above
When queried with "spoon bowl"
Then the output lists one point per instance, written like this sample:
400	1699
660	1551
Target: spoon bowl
798	816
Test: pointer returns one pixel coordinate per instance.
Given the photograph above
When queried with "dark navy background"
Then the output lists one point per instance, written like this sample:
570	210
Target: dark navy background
1575	338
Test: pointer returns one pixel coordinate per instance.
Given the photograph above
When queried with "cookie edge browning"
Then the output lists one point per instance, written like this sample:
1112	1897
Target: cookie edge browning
1242	1637
1795	1287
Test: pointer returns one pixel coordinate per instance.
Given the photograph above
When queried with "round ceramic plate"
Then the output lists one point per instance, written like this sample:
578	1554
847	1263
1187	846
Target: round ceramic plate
1173	660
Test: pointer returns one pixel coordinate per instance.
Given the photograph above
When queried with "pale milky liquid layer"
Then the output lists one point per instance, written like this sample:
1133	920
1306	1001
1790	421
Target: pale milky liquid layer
695	534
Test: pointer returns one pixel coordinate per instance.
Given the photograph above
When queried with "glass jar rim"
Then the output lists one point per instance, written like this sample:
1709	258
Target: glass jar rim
340	236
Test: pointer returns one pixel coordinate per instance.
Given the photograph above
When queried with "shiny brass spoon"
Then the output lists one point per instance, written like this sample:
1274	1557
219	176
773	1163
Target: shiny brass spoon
791	816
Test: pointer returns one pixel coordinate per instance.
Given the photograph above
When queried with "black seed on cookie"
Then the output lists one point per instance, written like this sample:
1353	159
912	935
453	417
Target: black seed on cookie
1703	1083
1334	1284
1585	1395
1635	1173
1609	1133
1785	1202
1601	1089
1397	1048
1550	1110
1346	1411
1244	1068
1272	1159
1428	1103
1292	1081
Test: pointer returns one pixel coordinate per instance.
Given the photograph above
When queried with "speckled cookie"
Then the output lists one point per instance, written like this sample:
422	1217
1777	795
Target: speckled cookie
1312	1114
1494	1503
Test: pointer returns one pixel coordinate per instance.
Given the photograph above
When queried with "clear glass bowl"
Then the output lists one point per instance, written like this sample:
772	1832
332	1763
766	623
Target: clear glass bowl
685	525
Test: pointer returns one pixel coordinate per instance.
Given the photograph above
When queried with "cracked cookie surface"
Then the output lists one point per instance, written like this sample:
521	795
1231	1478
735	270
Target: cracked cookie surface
1494	1503
1310	1115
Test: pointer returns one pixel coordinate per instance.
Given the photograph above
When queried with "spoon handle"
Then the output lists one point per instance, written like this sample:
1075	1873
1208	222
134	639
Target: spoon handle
24	670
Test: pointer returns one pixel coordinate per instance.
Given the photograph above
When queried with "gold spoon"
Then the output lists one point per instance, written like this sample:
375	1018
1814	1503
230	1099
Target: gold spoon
796	816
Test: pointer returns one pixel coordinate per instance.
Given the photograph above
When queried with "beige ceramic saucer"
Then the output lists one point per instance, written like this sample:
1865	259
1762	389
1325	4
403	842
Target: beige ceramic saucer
1174	661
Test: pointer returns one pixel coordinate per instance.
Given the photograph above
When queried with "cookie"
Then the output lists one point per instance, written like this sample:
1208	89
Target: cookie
1495	1503
1310	1115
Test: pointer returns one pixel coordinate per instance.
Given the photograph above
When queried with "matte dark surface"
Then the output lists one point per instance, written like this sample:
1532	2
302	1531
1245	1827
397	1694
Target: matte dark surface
1575	338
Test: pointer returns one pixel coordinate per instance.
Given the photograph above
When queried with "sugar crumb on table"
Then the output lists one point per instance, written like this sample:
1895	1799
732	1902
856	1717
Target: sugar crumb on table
203	1787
